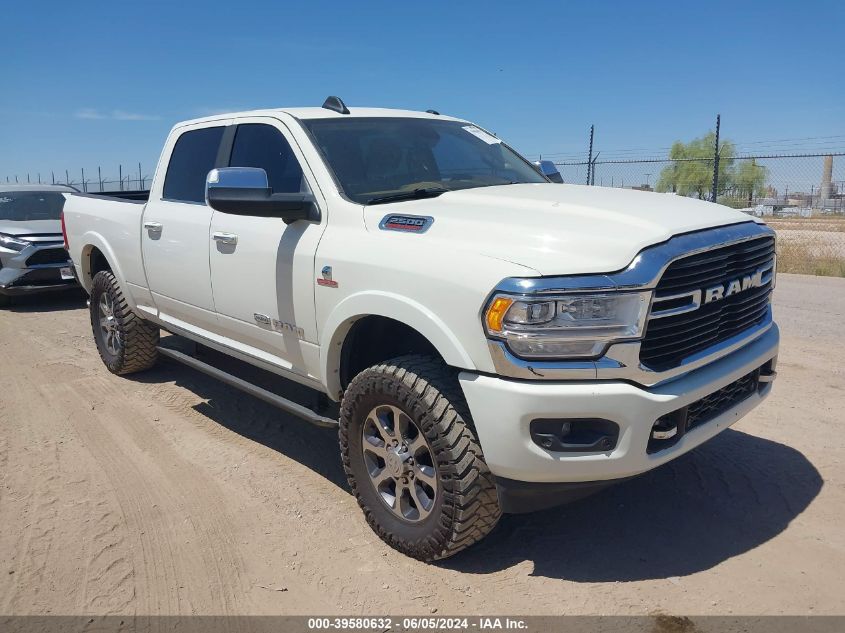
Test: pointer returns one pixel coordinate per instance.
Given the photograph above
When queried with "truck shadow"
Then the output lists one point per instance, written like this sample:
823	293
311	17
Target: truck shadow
313	447
727	497
71	299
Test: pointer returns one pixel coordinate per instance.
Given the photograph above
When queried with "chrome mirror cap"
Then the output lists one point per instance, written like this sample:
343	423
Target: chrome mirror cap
549	170
236	178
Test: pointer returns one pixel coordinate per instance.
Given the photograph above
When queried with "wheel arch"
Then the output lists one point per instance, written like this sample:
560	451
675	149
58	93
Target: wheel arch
365	313
97	255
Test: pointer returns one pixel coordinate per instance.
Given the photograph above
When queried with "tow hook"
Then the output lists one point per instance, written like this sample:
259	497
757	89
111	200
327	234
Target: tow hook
767	377
664	429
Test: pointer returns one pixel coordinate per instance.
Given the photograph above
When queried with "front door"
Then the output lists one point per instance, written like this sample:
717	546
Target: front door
262	270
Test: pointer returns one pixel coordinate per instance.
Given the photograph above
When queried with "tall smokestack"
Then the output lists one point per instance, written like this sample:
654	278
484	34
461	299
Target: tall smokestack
827	178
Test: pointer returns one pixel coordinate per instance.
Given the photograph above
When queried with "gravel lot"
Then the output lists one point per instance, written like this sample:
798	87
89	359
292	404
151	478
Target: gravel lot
169	493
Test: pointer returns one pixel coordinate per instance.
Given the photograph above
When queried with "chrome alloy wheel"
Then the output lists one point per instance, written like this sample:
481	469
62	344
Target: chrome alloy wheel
108	324
400	463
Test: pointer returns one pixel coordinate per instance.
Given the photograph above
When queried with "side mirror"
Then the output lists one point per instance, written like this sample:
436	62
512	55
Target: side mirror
245	191
549	170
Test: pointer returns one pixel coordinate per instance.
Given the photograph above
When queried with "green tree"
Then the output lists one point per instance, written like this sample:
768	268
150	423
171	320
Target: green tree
691	172
749	180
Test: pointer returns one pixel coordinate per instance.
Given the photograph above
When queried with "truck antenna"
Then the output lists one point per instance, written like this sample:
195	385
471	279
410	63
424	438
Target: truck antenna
336	104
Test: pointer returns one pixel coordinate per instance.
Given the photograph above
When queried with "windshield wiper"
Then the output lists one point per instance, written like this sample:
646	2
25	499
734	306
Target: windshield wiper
416	194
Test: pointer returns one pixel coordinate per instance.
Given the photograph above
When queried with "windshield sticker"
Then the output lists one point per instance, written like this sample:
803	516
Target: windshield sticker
484	136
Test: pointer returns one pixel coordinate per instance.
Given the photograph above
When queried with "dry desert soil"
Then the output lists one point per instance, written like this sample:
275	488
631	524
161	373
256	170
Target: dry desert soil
170	493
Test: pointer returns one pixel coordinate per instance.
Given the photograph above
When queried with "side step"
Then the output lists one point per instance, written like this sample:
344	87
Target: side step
262	394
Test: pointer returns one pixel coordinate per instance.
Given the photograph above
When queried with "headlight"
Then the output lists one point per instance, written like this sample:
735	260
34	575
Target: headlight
566	326
12	243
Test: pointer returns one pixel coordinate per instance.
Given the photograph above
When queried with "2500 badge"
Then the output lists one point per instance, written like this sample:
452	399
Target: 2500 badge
406	223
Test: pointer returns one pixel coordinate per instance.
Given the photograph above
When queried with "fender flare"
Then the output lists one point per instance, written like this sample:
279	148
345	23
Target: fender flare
93	240
396	307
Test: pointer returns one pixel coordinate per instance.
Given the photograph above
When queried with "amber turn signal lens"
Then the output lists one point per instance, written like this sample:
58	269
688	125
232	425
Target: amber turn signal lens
496	313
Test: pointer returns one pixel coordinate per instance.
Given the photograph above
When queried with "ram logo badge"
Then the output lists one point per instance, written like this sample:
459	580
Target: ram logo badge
406	223
717	293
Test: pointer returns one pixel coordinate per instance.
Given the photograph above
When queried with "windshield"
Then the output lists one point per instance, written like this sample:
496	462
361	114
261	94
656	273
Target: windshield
374	158
26	206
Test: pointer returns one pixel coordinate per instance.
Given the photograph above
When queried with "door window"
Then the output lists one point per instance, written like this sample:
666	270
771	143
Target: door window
264	146
194	155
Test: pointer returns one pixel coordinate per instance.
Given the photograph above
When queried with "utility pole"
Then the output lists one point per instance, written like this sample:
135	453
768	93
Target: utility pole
716	160
590	155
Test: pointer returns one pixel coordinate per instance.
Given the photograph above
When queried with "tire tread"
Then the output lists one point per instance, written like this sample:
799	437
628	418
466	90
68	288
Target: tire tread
140	337
430	390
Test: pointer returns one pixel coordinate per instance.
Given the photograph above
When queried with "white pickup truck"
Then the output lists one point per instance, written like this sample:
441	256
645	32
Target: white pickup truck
497	342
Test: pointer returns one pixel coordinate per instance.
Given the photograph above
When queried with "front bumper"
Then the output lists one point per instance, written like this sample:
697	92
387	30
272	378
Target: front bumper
18	276
503	410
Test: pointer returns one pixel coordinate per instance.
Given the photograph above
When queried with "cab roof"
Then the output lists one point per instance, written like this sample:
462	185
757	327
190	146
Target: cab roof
323	113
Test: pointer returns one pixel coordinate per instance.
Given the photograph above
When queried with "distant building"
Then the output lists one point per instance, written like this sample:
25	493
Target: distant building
825	190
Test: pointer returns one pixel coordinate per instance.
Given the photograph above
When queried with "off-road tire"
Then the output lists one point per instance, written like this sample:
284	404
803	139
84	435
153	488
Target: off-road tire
467	506
138	339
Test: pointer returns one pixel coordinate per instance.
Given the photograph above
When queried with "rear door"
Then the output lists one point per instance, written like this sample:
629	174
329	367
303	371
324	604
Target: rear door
262	270
175	229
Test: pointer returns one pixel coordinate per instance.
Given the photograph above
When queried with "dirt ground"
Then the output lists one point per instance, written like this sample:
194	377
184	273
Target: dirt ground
169	493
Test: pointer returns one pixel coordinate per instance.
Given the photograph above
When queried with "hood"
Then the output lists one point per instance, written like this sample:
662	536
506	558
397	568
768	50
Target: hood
47	230
558	229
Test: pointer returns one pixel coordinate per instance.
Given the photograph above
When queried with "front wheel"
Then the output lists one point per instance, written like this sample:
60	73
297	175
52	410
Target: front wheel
126	342
413	461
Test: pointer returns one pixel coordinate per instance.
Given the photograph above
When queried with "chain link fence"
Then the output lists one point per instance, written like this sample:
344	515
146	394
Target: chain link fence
97	182
801	196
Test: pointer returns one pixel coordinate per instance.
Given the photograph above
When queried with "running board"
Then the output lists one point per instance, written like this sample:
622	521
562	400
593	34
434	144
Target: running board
262	394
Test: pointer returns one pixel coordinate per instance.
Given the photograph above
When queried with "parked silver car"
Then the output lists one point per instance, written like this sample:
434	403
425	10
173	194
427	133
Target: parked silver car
32	254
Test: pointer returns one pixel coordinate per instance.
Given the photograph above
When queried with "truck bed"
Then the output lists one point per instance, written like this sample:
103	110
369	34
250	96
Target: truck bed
111	223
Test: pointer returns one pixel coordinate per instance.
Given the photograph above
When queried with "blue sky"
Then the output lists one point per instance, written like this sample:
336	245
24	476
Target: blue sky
88	84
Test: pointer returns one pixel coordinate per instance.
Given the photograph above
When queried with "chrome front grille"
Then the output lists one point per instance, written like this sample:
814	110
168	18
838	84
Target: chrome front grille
690	315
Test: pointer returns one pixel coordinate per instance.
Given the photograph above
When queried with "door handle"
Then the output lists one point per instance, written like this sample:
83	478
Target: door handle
153	226
224	238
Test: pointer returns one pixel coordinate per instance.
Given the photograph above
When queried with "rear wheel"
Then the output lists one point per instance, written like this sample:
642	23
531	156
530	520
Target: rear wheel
413	461
126	342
